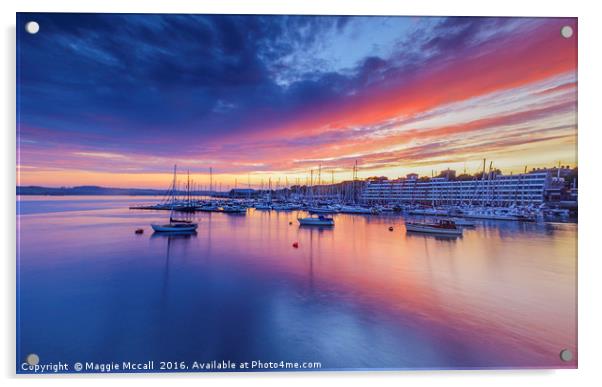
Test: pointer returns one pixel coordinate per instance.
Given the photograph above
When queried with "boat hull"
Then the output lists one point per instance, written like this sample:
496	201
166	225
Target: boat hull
433	230
322	211
208	209
492	217
464	223
357	210
429	212
315	222
234	210
174	228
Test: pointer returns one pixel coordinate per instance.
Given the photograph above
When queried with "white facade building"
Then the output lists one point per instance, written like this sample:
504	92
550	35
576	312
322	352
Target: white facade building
500	190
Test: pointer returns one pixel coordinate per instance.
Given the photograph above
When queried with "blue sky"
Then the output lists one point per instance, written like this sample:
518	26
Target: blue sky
119	98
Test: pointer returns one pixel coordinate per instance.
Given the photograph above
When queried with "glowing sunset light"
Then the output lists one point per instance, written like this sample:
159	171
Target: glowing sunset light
259	97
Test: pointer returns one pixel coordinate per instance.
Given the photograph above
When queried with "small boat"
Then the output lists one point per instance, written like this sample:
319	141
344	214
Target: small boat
442	227
233	209
322	210
499	214
287	207
430	211
356	210
319	220
175	225
209	207
464	223
263	206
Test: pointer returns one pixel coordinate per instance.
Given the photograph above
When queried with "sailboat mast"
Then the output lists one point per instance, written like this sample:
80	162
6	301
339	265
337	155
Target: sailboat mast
483	185
210	181
188	188
249	186
311	183
319	180
173	196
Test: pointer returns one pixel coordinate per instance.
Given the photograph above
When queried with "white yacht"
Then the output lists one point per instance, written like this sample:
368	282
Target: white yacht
357	210
316	220
234	209
430	211
442	227
498	214
323	210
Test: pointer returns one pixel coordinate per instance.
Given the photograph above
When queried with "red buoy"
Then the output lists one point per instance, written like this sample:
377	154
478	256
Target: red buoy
391	228
296	245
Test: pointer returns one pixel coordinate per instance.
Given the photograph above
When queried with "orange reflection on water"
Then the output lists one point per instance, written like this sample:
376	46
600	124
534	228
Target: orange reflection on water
504	289
507	286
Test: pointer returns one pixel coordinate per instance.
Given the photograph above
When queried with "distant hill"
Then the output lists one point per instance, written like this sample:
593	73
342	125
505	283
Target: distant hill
89	190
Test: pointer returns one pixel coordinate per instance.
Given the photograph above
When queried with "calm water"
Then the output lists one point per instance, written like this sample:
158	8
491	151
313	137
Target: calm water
354	296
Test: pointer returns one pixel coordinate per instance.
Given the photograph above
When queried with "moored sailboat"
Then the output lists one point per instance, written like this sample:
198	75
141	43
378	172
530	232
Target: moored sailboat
175	225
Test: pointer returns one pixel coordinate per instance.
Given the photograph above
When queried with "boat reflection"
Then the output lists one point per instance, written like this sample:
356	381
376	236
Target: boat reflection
311	229
420	235
503	295
174	235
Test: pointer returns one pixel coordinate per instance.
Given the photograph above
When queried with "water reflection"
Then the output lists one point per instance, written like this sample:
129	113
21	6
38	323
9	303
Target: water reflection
315	229
172	239
352	295
173	235
445	238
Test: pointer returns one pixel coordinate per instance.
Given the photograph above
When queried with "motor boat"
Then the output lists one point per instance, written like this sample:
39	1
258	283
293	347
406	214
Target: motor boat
233	209
322	210
357	210
208	207
287	207
442	227
499	214
316	220
430	211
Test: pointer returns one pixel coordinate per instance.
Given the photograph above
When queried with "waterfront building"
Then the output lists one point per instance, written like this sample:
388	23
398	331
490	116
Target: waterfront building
498	190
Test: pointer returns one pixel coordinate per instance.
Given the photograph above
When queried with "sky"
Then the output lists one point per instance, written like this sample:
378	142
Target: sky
117	100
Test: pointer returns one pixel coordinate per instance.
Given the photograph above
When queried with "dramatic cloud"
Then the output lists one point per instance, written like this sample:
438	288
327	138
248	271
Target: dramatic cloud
117	99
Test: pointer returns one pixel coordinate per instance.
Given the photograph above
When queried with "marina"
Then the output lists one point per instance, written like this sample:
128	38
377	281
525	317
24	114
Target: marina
433	273
529	197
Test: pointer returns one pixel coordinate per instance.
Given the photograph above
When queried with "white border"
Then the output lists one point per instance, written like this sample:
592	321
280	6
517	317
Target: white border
590	267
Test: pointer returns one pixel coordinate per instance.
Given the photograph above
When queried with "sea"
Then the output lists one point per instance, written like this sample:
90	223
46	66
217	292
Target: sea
258	288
